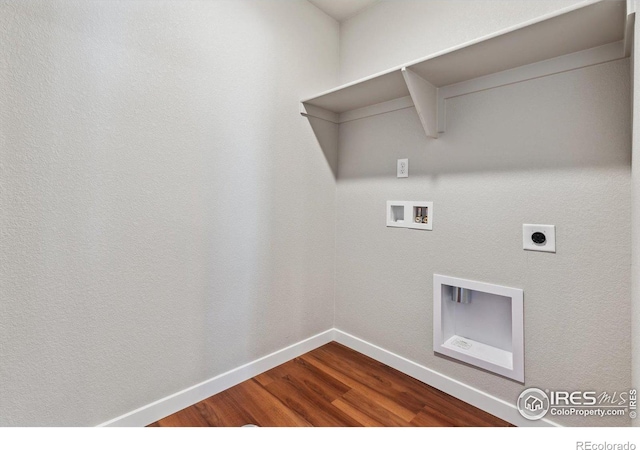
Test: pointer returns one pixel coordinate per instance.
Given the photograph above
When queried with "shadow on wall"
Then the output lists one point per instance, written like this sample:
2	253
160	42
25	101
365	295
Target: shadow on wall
569	120
327	137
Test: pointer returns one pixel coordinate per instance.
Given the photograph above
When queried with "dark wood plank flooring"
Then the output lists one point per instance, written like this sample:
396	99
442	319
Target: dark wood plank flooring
332	386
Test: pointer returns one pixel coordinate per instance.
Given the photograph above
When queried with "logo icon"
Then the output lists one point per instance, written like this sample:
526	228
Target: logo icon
533	404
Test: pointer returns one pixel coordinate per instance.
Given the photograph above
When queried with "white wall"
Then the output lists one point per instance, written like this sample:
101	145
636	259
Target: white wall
165	212
394	32
553	150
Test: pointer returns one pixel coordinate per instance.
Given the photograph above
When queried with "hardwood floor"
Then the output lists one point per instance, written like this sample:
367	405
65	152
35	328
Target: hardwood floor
328	387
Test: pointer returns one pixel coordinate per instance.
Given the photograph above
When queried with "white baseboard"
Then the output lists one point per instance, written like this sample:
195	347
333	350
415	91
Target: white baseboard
486	402
187	397
194	394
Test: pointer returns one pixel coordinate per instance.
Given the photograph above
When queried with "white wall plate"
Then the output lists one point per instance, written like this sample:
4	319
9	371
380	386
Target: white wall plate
539	238
417	215
403	168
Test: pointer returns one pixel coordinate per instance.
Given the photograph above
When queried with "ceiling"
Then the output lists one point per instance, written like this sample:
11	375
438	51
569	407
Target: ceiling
342	9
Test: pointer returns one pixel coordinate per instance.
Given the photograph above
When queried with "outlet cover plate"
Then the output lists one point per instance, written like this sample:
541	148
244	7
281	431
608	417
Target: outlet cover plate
403	168
549	232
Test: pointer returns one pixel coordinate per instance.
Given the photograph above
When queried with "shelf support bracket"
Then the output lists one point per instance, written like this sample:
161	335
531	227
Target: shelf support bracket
325	125
629	26
425	99
319	113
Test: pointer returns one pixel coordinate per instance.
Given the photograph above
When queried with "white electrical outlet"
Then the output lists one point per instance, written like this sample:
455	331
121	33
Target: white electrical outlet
403	168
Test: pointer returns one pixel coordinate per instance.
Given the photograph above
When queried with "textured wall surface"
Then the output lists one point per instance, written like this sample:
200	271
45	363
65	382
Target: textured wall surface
163	206
393	32
555	150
